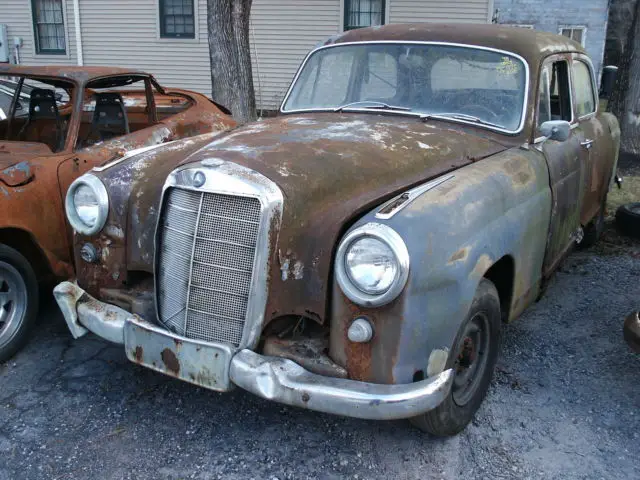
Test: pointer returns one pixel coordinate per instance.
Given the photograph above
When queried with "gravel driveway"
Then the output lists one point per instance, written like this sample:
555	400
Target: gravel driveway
564	404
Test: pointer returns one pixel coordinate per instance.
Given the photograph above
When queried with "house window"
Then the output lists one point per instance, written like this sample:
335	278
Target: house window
574	33
48	26
177	19
363	13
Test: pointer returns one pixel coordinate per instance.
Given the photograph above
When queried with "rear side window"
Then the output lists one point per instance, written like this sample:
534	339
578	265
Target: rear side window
583	85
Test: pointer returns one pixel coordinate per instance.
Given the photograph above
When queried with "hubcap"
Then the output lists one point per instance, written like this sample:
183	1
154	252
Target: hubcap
472	358
13	302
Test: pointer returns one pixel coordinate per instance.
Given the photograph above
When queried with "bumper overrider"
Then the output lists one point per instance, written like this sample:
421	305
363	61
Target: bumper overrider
219	366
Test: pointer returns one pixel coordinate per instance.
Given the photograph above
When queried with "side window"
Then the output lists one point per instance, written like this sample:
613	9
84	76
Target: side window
560	92
583	86
544	98
380	77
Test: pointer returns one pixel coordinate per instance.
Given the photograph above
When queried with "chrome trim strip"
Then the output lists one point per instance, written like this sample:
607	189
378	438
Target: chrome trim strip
228	178
411	195
523	116
130	154
395	242
192	261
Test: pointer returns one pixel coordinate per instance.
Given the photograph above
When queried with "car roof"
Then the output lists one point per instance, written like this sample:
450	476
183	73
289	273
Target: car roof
73	73
532	45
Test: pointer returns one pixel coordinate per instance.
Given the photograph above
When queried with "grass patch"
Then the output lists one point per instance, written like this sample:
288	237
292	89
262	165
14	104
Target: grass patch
630	192
613	242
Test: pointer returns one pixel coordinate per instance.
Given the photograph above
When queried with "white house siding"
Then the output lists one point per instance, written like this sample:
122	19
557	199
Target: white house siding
407	11
283	32
16	14
126	33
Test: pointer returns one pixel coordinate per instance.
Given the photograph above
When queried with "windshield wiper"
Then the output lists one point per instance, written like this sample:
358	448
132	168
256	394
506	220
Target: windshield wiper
459	116
373	105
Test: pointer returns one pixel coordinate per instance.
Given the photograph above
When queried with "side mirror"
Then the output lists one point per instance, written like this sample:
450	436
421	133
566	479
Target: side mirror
558	130
608	81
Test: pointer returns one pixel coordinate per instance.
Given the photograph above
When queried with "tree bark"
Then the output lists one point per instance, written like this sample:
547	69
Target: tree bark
625	101
230	56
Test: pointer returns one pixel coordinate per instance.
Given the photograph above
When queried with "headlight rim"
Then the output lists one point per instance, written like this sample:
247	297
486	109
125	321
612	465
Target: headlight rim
394	241
102	196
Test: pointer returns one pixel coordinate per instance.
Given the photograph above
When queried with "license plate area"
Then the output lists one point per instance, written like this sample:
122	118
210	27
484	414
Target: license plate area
201	363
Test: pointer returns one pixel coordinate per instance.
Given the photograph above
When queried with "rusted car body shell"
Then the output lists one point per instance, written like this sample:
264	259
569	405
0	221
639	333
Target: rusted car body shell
335	170
33	180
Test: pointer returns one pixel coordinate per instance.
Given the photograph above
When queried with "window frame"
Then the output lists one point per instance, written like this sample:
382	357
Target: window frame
36	38
547	64
164	36
594	86
583	41
346	3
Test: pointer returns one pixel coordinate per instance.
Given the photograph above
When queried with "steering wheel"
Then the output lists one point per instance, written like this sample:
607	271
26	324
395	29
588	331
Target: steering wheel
480	111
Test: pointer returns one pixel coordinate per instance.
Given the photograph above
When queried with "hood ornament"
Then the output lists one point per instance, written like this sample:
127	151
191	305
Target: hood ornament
199	178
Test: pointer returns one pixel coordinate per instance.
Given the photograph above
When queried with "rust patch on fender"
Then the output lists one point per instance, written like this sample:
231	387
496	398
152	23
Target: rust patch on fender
170	361
138	354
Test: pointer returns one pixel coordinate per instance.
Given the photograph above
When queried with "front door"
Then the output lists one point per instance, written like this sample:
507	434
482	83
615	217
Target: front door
565	161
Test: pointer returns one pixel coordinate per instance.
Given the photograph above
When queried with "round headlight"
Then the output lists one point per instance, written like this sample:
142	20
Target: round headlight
87	205
372	265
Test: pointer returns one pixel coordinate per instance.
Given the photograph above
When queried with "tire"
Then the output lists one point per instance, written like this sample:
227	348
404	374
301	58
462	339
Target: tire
628	219
470	383
19	298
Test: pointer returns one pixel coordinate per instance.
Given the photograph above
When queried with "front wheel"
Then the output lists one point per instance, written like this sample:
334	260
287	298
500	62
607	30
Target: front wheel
473	358
18	301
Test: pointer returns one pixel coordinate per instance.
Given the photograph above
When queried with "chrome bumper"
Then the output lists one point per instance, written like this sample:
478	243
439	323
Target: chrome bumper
219	367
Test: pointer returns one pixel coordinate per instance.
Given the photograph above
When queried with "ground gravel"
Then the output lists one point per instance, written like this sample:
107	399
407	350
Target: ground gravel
563	404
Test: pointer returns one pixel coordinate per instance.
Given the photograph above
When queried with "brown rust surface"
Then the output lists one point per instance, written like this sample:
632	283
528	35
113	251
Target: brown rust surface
170	361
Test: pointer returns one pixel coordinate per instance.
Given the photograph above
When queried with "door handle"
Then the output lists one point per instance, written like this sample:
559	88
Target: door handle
587	143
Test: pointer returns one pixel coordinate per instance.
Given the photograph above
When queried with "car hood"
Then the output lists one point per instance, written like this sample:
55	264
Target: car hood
331	168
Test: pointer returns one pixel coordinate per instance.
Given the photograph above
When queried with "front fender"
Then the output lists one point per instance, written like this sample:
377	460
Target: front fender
454	232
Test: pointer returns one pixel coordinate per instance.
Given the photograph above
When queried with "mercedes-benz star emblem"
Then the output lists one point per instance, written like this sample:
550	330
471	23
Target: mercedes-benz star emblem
198	179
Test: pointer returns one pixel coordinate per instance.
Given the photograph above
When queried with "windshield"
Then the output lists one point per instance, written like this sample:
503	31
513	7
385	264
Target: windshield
460	83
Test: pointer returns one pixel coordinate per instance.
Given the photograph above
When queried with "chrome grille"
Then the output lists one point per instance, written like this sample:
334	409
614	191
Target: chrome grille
206	247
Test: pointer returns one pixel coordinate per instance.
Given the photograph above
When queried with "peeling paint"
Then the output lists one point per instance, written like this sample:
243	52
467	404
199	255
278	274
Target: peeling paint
437	361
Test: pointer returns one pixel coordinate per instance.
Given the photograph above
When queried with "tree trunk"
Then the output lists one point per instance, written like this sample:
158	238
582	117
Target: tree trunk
230	55
625	101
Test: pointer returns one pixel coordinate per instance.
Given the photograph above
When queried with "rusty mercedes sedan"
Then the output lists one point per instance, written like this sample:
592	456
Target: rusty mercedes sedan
61	122
359	253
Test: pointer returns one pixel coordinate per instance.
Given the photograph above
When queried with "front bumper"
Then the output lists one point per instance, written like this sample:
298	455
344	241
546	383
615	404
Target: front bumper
220	366
631	331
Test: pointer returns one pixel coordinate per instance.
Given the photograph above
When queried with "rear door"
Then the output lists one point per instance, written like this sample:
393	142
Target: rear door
597	142
565	160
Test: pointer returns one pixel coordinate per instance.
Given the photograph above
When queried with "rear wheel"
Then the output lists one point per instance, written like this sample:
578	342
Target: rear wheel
18	301
473	358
